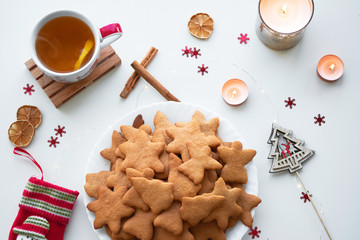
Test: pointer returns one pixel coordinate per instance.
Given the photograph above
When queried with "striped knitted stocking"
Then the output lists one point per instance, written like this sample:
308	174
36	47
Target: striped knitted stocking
52	202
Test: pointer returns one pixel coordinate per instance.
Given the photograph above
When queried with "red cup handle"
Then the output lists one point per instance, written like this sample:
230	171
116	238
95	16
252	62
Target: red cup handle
110	33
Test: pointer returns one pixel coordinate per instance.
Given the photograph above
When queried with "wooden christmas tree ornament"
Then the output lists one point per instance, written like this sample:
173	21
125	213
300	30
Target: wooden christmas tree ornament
288	153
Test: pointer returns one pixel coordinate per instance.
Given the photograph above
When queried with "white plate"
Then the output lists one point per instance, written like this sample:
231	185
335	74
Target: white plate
175	112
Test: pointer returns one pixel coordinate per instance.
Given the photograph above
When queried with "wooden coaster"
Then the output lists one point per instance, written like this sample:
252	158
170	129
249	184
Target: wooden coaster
59	92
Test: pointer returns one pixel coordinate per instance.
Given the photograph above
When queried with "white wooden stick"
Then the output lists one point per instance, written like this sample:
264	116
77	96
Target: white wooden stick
312	203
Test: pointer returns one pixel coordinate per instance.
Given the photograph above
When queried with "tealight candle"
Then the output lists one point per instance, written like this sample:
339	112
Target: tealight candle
330	68
281	23
235	92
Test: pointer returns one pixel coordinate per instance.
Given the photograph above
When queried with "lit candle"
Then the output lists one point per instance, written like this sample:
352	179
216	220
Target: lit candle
235	92
330	68
281	23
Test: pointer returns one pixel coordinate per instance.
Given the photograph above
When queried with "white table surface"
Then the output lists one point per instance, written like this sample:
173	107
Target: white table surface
273	76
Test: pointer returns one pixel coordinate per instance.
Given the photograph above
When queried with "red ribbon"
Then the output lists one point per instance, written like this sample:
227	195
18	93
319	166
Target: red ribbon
21	152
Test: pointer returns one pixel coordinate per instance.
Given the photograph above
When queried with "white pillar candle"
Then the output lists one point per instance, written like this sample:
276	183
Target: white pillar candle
282	22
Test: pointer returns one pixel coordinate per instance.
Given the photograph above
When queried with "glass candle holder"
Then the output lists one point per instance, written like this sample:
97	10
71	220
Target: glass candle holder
281	23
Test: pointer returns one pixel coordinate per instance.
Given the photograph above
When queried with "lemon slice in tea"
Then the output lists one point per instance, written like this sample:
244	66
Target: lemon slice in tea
21	133
29	113
201	25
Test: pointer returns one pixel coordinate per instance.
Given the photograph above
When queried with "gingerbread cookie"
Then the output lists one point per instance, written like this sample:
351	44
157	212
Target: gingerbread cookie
162	234
96	180
229	208
191	132
109	208
210	127
162	123
170	219
141	153
120	235
156	194
158	136
140	224
195	209
206	231
119	178
109	153
235	158
208	182
200	161
132	197
183	186
247	202
130	132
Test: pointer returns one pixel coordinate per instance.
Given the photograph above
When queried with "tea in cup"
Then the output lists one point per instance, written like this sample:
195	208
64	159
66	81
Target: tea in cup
65	45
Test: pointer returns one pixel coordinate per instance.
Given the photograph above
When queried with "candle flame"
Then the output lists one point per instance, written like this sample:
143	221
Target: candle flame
332	67
234	92
283	9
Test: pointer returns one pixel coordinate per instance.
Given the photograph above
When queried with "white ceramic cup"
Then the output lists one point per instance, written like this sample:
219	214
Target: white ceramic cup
103	37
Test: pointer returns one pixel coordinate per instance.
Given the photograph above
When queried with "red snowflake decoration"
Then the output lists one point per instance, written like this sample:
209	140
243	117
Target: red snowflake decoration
187	51
254	232
290	102
28	89
319	119
59	131
53	142
306	196
243	38
195	53
203	69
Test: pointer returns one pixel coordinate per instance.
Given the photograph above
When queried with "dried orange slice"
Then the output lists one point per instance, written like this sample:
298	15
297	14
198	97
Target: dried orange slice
29	113
21	133
201	25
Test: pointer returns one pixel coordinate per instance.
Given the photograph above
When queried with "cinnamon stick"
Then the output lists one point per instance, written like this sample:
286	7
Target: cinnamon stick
153	82
134	78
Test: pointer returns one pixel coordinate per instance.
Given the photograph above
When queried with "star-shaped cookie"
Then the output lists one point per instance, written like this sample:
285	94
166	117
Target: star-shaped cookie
158	136
130	134
96	180
109	153
183	186
141	153
162	123
229	208
200	161
109	208
247	202
119	178
235	158
191	132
